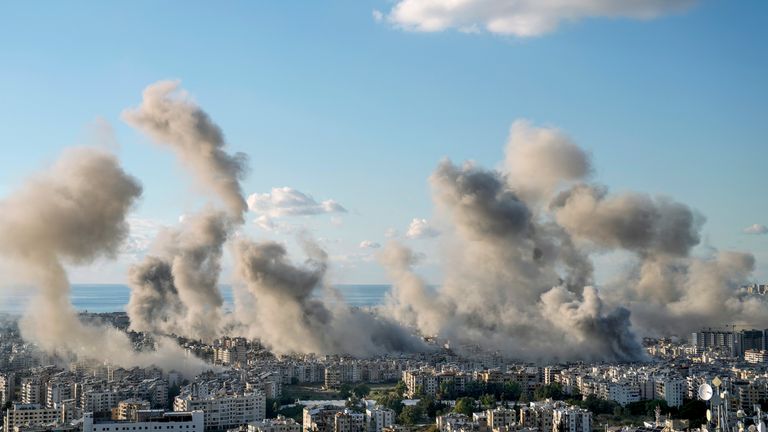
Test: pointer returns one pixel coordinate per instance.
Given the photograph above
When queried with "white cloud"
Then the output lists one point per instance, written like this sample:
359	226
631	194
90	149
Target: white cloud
368	244
756	229
337	221
378	15
286	201
142	233
521	18
275	226
420	229
391	233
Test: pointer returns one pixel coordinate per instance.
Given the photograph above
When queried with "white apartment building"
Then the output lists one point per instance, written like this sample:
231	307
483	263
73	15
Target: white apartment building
320	418
57	392
332	378
349	421
571	419
100	400
149	420
453	422
621	393
32	392
671	390
378	418
756	356
501	417
225	411
420	382
538	415
279	424
6	388
26	415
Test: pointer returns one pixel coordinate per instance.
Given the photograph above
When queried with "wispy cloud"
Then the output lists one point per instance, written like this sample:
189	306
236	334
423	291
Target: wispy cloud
421	229
286	201
142	233
515	17
756	229
368	244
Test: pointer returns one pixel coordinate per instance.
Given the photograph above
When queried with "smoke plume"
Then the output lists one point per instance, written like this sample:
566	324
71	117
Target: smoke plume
170	117
288	318
73	213
175	289
518	270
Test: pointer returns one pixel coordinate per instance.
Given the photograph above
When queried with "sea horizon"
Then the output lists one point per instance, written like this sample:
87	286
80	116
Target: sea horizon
99	298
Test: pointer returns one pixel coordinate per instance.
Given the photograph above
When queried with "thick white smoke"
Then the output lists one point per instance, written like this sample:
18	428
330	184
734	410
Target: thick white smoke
171	117
288	318
518	249
518	267
175	289
73	213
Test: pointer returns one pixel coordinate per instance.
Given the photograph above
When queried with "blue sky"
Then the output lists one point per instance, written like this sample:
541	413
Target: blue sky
338	105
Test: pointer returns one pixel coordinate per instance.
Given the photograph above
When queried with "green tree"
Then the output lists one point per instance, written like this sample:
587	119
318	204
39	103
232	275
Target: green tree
273	405
411	415
391	400
447	390
549	391
430	406
361	390
473	389
488	400
511	391
598	406
400	388
465	405
345	391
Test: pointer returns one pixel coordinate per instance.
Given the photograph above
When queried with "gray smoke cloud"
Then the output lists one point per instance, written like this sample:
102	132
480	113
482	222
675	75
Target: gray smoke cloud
73	213
288	318
631	221
506	278
518	250
175	289
539	161
170	117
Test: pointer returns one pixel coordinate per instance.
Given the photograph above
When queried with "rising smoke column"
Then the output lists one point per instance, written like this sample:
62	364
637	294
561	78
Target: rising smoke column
175	289
514	279
289	319
519	271
172	118
73	213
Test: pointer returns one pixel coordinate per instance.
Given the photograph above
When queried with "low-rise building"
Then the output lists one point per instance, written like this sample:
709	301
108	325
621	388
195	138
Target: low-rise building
147	420
21	416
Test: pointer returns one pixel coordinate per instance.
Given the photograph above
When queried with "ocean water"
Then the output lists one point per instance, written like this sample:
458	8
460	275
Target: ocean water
113	298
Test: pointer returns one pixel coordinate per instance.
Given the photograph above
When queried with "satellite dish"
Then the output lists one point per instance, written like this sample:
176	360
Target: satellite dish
705	392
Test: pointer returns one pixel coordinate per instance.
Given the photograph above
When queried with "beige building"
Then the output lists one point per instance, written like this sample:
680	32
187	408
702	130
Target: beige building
127	409
24	416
